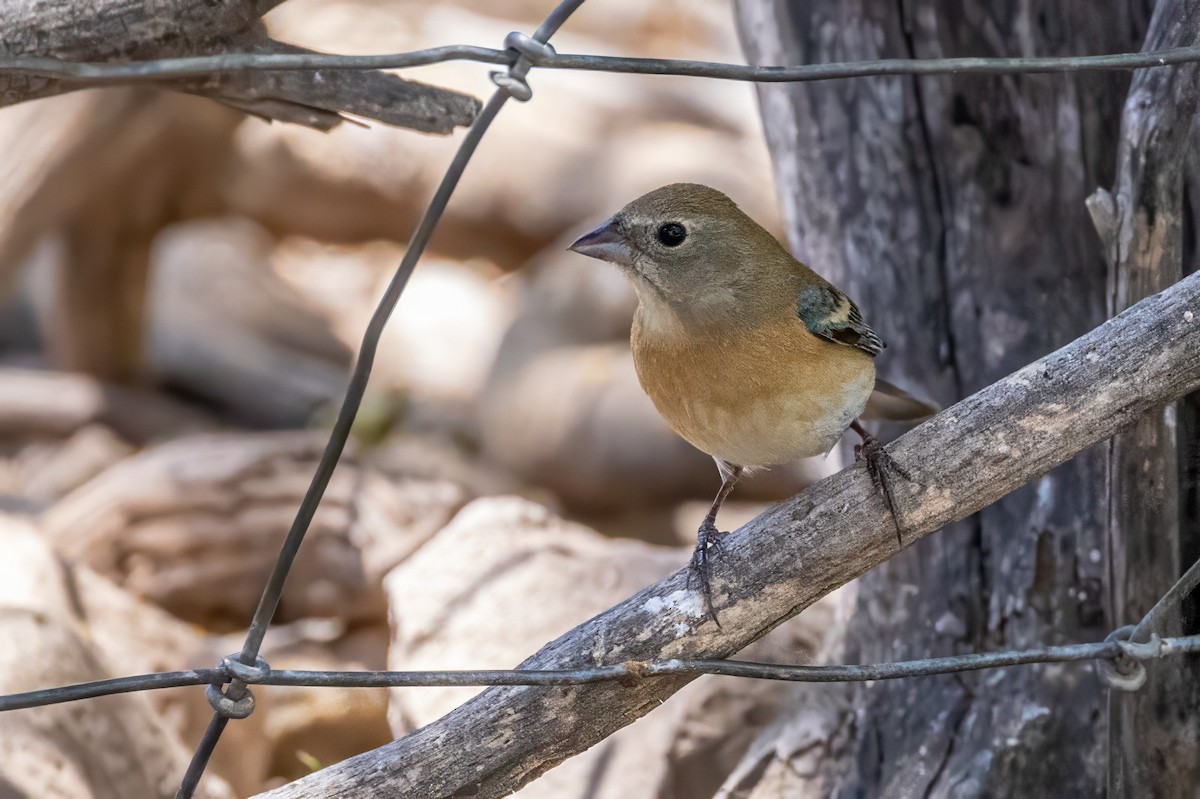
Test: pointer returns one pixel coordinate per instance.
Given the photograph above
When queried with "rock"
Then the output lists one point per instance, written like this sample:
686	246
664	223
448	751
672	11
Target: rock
60	626
195	526
786	757
426	457
442	337
222	326
38	405
119	634
44	471
504	577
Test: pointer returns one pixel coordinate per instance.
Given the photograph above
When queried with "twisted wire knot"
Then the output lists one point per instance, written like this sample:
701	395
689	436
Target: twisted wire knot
236	700
1126	671
529	52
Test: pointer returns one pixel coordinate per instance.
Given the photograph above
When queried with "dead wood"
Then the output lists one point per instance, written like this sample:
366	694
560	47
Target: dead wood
131	30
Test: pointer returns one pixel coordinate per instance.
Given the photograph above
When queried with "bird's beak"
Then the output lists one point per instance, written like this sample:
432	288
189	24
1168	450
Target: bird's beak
606	242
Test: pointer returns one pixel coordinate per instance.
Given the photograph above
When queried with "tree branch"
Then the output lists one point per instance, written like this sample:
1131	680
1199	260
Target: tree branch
962	460
125	30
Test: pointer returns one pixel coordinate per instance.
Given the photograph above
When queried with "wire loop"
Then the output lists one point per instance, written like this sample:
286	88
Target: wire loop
529	47
1124	672
224	703
1143	650
529	51
236	669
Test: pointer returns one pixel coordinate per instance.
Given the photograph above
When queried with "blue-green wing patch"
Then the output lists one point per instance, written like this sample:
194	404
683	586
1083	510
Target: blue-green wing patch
830	314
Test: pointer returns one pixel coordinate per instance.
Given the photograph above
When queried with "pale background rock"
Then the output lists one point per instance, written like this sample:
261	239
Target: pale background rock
443	335
224	327
195	526
112	747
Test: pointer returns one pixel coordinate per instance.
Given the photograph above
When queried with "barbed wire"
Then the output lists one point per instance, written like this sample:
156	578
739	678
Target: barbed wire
1120	657
197	66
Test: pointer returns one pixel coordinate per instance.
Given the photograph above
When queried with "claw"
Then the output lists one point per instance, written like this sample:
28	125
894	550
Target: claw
707	536
880	465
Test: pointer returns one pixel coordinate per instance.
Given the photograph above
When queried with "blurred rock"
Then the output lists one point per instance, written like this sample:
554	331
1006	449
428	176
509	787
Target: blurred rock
440	340
402	456
222	326
785	759
44	471
37	405
565	299
505	577
125	635
136	637
811	726
60	626
195	526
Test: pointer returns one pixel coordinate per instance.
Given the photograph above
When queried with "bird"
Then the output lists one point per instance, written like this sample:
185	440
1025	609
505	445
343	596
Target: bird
749	355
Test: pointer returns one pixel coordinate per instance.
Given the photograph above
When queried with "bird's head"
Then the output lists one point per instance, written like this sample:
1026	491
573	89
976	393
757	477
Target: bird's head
690	248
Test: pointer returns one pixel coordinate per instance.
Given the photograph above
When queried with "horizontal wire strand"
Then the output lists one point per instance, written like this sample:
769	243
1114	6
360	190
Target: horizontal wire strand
621	672
196	66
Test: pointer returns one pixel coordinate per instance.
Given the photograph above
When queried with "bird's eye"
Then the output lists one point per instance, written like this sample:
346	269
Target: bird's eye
672	234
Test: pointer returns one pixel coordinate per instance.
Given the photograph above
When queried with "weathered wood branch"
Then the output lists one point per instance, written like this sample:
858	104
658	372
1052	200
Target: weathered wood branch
1141	228
124	30
961	461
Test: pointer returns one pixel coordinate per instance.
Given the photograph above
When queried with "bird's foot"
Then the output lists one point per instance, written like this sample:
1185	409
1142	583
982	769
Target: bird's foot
881	465
707	537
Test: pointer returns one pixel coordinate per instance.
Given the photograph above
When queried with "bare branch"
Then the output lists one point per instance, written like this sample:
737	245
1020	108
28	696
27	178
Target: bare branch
962	460
122	30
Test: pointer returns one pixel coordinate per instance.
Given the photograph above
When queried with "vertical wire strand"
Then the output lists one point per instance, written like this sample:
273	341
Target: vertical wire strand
340	434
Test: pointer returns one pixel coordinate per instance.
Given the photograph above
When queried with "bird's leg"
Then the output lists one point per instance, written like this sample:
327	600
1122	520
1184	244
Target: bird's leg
709	534
880	466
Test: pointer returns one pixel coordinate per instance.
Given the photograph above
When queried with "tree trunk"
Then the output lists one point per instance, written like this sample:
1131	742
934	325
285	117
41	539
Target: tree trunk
952	208
1152	733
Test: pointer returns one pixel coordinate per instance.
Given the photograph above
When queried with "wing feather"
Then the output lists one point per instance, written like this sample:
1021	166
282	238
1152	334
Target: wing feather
833	316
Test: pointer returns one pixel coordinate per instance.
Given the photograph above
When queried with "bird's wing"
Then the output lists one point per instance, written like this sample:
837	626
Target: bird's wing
830	314
889	402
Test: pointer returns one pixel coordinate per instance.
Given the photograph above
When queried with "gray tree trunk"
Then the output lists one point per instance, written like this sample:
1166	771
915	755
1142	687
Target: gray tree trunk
953	210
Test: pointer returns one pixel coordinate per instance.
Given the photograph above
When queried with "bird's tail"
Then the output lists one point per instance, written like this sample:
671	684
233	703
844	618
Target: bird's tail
891	403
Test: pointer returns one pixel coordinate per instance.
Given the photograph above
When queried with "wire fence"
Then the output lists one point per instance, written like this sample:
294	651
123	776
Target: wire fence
1120	658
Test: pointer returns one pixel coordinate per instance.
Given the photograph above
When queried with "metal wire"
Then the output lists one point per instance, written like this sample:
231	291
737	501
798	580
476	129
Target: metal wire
522	53
171	68
338	437
1154	619
622	672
